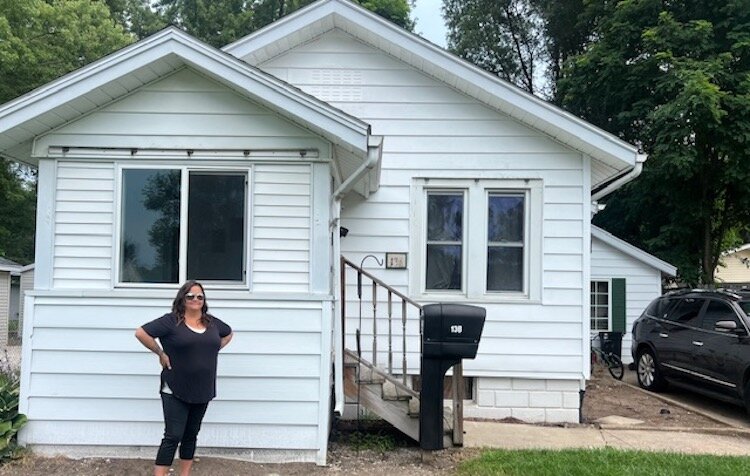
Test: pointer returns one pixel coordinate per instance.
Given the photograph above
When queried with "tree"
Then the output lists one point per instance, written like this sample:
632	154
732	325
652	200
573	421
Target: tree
42	40
504	37
17	212
673	77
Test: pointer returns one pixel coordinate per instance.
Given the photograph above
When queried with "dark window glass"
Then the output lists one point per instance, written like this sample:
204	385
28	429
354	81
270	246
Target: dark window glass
660	307
718	311
444	240
686	311
149	243
505	242
745	305
216	224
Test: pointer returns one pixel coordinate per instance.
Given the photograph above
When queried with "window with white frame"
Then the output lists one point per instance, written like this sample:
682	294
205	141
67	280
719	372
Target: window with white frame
178	215
477	238
600	306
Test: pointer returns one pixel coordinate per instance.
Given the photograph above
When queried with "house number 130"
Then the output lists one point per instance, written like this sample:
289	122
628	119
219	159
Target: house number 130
457	329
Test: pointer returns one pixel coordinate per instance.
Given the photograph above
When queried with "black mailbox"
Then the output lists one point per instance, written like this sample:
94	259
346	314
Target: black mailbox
450	332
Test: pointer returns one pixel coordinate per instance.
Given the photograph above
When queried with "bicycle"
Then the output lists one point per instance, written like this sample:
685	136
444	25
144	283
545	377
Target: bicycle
612	361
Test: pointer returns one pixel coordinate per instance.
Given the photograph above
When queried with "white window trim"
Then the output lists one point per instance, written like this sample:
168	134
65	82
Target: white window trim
184	169
474	276
609	304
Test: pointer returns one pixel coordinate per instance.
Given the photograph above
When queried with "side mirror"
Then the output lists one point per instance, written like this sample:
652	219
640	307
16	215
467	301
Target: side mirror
729	327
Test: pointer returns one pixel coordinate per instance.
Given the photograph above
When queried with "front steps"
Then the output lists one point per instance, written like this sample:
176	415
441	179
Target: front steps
374	390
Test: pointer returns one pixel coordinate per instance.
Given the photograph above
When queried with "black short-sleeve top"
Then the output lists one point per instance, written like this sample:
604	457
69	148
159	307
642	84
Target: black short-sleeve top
193	356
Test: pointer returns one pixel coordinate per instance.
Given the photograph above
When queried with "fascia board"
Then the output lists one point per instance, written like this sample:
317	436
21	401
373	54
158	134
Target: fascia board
525	107
632	251
331	123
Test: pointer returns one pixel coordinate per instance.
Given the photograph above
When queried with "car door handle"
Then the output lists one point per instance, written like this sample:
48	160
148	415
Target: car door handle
663	334
699	344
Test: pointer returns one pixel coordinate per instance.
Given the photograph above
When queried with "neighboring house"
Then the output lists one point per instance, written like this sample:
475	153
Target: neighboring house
26	283
734	268
624	280
9	297
171	159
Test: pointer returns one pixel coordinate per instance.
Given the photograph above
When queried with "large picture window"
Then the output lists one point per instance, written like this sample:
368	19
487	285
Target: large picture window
477	238
154	223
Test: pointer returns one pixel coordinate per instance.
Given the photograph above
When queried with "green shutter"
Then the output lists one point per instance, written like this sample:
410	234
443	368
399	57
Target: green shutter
618	305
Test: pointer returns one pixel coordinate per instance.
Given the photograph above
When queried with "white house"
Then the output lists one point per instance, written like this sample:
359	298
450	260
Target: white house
624	280
10	273
170	159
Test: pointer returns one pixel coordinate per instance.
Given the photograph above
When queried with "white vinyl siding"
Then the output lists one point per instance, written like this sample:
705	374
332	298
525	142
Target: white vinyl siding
184	110
281	228
4	307
84	224
83	355
431	130
642	283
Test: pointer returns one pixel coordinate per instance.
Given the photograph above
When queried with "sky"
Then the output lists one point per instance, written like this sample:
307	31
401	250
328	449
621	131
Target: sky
429	21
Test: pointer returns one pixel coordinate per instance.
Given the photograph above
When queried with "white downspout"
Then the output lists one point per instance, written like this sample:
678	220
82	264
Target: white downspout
338	331
634	172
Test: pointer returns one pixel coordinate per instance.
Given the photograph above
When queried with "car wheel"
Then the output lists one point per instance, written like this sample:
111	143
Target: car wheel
647	371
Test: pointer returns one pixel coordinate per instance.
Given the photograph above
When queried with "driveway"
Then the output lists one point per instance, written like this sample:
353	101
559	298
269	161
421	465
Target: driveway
732	415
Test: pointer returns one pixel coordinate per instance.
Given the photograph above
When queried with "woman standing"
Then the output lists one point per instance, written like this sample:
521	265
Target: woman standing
190	341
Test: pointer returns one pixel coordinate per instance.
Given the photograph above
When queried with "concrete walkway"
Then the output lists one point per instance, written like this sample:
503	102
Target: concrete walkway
520	436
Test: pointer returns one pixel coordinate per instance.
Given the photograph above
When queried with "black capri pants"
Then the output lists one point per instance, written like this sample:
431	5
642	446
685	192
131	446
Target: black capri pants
182	421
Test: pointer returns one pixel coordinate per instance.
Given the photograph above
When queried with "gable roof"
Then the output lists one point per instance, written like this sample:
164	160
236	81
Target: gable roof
632	251
84	90
9	265
612	157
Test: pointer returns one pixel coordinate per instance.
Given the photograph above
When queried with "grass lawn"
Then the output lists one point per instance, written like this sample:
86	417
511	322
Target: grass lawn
601	462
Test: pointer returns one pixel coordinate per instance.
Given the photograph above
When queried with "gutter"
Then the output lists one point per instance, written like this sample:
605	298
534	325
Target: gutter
374	155
622	179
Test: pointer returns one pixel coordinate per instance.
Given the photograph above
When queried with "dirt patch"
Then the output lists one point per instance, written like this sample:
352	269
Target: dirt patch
342	460
606	396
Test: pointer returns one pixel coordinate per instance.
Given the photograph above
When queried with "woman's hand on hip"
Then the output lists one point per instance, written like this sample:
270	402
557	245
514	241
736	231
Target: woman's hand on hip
164	361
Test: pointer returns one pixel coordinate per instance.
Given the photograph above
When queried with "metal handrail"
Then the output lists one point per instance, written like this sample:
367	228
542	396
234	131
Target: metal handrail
405	300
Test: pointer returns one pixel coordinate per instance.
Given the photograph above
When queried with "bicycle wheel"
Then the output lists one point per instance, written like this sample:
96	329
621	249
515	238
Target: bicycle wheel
615	366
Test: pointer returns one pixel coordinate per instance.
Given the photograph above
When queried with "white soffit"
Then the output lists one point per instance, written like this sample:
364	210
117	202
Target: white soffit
84	90
632	251
612	156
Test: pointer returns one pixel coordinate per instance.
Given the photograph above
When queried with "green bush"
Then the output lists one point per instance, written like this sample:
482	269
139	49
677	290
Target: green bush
10	420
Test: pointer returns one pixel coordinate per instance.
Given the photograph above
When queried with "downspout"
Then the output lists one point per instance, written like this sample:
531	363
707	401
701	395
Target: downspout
338	331
622	180
374	153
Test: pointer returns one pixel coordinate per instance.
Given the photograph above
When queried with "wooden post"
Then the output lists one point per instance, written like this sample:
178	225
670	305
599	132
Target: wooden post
458	404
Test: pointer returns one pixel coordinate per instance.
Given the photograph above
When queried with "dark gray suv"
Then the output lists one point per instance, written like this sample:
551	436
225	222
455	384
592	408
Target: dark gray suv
696	339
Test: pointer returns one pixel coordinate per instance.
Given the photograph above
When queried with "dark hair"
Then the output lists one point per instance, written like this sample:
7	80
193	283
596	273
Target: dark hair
178	305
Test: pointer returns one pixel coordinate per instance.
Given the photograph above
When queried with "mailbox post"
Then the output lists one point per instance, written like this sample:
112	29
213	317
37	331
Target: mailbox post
451	332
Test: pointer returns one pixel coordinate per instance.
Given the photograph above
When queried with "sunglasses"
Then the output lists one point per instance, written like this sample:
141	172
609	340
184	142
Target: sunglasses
191	296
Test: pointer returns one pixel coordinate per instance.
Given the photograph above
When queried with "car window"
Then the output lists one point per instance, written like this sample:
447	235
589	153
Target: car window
660	307
745	305
718	311
686	311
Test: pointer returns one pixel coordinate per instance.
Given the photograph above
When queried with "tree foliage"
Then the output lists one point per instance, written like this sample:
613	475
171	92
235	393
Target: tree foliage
17	215
42	40
503	37
673	77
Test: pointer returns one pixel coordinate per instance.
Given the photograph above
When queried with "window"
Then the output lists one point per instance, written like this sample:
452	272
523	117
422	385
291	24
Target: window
686	311
505	243
445	211
600	308
477	238
154	223
718	311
